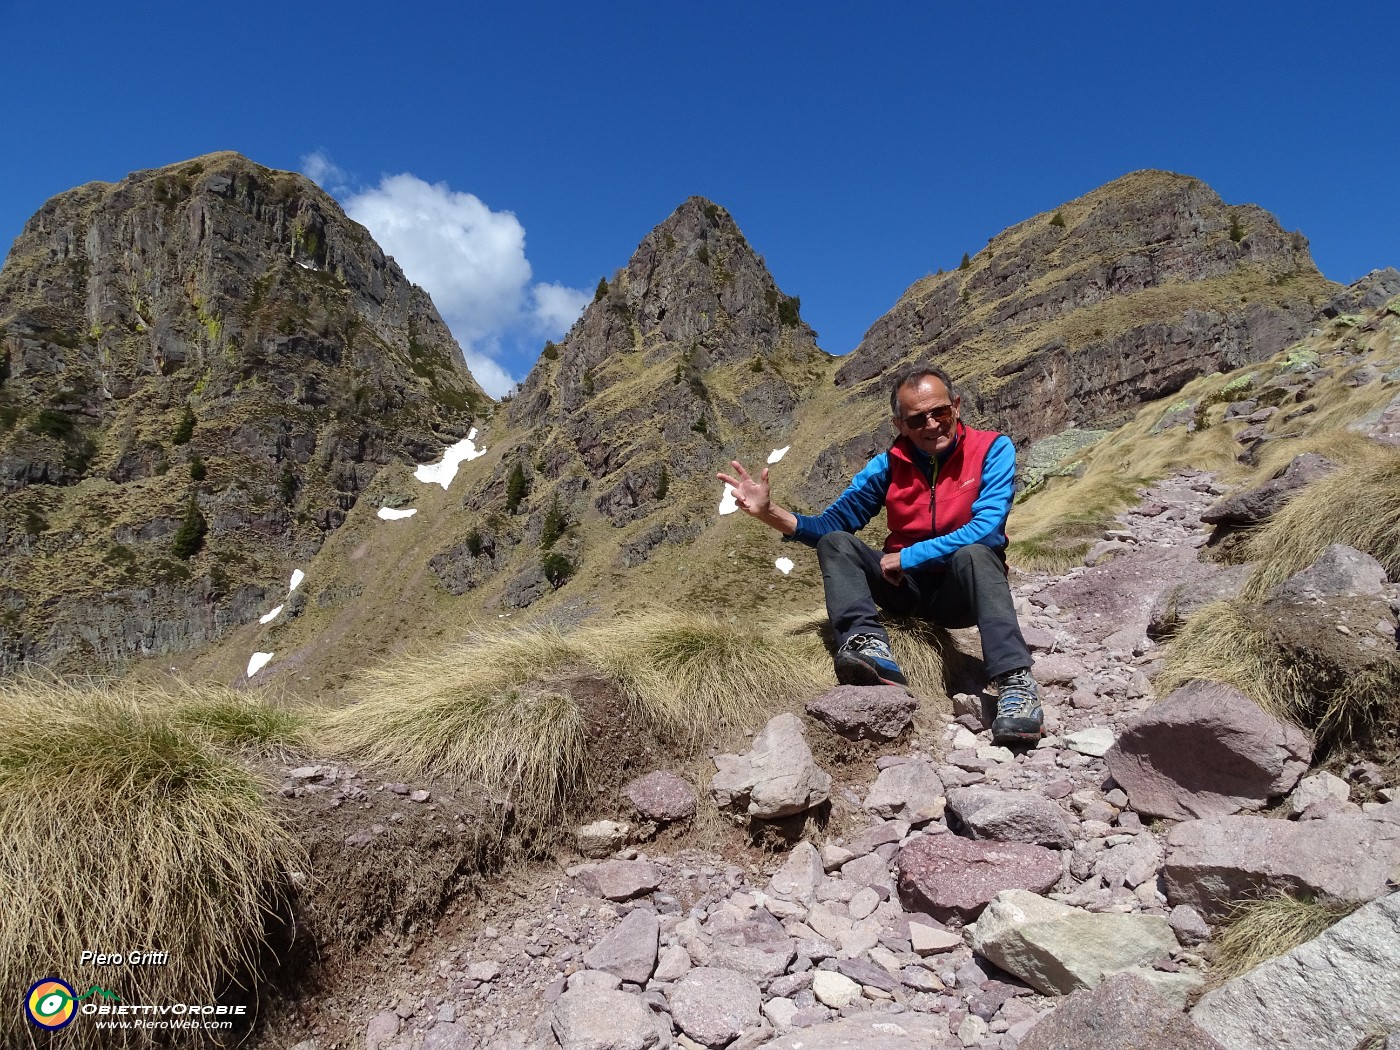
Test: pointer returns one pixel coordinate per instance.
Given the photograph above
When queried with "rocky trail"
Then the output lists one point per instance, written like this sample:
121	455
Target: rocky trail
988	884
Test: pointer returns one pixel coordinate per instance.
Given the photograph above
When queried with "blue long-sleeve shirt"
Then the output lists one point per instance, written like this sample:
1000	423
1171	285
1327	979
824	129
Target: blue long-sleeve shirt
865	495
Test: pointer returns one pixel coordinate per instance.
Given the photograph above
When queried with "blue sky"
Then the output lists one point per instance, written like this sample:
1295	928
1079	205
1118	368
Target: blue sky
859	146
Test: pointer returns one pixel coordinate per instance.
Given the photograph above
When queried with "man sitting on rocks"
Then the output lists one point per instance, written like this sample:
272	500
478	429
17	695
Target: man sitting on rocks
946	489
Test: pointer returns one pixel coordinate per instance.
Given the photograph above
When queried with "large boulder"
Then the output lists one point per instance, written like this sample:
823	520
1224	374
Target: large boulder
714	1006
1122	1012
1213	863
1057	949
953	878
865	712
629	950
1333	620
1178	604
908	791
595	1018
777	778
620	880
1206	750
1333	991
1255	506
1010	816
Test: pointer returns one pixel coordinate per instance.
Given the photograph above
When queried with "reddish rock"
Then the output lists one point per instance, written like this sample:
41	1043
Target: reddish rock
661	796
953	878
1123	1011
1213	863
1206	750
865	712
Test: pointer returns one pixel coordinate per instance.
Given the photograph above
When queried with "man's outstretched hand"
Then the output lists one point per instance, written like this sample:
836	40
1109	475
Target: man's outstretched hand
752	496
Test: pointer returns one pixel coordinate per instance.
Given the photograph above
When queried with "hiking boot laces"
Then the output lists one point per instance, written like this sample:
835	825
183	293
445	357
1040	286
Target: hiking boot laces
1017	695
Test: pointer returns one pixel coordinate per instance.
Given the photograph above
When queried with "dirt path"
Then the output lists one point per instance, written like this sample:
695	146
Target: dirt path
487	974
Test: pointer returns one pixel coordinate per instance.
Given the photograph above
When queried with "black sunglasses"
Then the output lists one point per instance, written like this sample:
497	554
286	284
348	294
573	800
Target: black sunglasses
919	420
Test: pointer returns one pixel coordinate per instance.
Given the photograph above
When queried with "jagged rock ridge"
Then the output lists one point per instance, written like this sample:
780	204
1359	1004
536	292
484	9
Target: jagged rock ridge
687	353
1116	298
213	332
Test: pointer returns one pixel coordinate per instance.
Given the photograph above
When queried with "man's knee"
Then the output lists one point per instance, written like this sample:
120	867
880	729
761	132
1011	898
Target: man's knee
975	556
836	543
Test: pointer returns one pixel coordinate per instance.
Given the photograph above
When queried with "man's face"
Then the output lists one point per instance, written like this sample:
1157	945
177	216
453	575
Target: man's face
927	416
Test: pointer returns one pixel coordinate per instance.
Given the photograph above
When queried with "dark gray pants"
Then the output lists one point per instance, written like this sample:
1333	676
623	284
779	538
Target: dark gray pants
973	592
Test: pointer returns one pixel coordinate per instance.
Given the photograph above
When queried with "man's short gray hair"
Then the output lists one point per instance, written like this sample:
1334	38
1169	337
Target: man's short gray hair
913	375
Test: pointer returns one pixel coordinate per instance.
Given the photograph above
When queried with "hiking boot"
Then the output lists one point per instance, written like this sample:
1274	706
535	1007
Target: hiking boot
1019	717
865	659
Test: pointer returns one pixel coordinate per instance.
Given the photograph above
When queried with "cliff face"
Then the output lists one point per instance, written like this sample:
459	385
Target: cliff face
1123	295
209	346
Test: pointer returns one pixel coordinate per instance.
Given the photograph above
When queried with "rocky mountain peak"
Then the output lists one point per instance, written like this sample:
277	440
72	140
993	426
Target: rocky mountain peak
694	291
1143	283
211	343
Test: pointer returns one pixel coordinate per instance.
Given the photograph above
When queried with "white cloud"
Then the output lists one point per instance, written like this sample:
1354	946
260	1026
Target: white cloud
320	169
558	307
471	260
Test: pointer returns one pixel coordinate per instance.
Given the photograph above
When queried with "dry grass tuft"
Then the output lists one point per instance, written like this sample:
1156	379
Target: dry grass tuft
123	829
500	708
1221	643
474	711
1260	930
1357	505
687	676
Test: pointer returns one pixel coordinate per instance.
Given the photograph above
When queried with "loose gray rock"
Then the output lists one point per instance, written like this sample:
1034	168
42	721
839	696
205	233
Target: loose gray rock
381	1029
1187	924
601	839
776	779
755	945
866	1031
672	963
629	950
595	979
800	873
620	880
1319	787
1206	750
1057	669
1211	863
1330	992
1129	863
925	939
713	1006
1178	604
1057	949
1338	572
661	796
909	791
865	712
598	1019
953	879
1122	1012
1093	742
447	1035
1010	816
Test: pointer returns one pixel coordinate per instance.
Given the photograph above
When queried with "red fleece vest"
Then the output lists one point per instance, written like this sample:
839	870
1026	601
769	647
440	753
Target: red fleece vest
913	511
